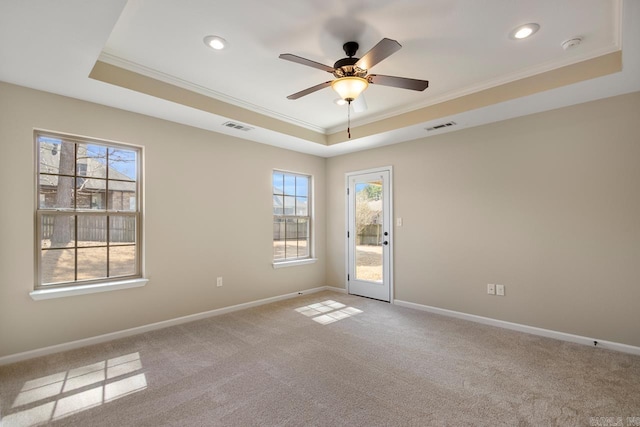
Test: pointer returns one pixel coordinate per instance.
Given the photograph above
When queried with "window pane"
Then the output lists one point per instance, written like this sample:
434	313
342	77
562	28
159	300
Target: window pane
91	194
303	248
290	185
48	189
278	183
301	206
303	238
57	265
278	238
56	156
57	231
56	192
92	230
122	196
49	153
291	249
122	230
289	205
302	186
292	229
92	263
291	244
122	164
92	161
278	229
122	261
278	205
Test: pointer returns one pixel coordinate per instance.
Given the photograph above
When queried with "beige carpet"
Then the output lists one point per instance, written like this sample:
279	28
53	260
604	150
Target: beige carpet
325	359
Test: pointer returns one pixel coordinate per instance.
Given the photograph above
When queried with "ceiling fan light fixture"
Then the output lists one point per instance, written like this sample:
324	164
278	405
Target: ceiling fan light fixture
350	87
215	42
524	31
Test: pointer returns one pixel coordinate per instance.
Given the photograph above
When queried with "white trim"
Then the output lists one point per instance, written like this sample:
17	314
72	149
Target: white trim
18	357
294	263
12	358
70	291
563	336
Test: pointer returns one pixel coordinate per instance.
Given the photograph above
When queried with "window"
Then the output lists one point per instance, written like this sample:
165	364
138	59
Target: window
291	216
88	211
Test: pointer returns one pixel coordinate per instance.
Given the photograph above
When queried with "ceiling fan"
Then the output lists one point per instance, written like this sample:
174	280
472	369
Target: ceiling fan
351	73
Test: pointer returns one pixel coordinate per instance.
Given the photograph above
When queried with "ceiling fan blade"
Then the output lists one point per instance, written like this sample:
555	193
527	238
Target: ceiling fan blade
401	82
309	90
384	49
307	62
360	104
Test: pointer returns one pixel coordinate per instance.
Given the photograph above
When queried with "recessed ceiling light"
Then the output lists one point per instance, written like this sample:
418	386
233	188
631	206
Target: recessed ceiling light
524	31
215	42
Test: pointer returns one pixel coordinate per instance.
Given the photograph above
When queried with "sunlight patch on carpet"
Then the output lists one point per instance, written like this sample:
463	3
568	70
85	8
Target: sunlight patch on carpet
59	395
328	311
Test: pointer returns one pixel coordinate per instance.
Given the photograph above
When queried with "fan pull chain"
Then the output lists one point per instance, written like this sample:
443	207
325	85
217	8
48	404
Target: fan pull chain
349	119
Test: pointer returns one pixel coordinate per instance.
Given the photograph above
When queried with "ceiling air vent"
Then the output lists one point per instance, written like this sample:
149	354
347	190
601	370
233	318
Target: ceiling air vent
441	126
237	126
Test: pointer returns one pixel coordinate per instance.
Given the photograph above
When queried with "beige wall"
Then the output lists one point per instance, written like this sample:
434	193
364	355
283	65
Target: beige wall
219	226
548	205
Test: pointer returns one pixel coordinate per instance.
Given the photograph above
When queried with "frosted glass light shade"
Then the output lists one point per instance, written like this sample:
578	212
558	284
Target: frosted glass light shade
349	88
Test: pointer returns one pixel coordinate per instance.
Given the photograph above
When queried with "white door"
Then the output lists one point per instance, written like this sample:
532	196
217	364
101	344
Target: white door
369	234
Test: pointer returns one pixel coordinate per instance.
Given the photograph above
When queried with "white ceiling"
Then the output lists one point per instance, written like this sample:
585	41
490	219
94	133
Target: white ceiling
460	46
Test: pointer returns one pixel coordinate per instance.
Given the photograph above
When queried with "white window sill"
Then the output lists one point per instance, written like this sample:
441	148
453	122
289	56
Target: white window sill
70	291
294	263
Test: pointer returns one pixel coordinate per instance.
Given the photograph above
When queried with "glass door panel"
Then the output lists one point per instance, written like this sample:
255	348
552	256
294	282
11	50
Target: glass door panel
368	230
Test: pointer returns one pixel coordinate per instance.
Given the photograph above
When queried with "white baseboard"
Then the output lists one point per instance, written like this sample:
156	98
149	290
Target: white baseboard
12	358
524	328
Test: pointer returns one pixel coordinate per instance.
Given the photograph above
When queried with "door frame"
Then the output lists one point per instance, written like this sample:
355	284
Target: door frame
348	175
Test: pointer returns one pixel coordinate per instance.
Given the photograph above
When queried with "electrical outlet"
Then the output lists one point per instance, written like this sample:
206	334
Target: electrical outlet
500	290
491	289
219	282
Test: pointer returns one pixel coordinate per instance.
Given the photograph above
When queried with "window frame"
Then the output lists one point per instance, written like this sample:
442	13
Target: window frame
81	286
310	257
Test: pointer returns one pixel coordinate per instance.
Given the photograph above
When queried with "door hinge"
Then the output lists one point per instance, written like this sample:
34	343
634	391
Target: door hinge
347	234
348	278
347	191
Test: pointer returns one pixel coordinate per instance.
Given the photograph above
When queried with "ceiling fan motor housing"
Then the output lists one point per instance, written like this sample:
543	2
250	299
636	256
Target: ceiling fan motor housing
345	67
